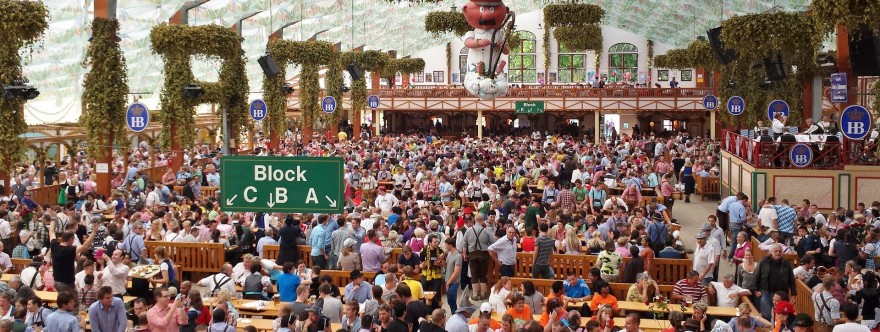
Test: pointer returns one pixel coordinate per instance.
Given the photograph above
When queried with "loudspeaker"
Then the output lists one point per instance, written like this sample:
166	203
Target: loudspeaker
723	54
774	67
270	68
355	71
864	52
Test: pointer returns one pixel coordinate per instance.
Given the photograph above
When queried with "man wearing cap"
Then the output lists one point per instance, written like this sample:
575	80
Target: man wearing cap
716	246
485	311
781	312
704	258
802	322
358	289
459	321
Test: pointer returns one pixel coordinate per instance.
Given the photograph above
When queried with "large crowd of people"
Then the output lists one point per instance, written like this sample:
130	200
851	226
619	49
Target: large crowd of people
455	209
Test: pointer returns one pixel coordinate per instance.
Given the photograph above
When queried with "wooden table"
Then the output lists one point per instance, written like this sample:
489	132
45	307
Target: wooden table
52	297
270	310
261	324
647	325
688	310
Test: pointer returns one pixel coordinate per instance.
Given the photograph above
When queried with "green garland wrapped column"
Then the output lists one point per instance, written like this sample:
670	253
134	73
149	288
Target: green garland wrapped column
22	24
106	89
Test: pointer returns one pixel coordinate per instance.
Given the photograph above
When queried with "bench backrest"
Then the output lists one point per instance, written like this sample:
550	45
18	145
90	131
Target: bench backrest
666	271
192	257
19	264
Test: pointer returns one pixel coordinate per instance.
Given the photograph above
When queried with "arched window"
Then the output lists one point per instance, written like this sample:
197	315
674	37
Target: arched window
572	65
462	65
623	58
523	59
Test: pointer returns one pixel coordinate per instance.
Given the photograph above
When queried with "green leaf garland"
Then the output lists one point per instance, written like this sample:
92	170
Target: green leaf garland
176	43
106	90
22	23
441	22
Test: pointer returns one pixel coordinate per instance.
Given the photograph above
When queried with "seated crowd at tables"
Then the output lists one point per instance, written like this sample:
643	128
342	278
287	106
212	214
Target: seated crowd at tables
454	207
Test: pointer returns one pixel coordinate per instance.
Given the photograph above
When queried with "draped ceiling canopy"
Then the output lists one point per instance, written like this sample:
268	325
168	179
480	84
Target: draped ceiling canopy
57	64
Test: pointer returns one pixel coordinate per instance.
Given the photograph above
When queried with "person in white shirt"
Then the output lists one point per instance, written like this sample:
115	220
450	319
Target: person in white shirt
220	281
385	201
30	276
805	271
704	258
727	292
5	230
768	216
778	125
115	273
242	269
79	278
851	313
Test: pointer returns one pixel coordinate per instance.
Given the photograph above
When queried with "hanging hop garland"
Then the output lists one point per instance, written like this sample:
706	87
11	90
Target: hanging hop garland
105	90
22	24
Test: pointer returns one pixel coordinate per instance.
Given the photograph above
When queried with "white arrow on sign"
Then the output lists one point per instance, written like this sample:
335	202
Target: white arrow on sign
271	202
332	202
230	200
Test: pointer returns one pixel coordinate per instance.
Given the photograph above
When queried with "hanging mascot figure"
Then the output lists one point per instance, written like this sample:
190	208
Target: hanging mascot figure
485	76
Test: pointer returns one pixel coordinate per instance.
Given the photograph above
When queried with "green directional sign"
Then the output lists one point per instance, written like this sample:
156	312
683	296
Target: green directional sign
281	184
529	107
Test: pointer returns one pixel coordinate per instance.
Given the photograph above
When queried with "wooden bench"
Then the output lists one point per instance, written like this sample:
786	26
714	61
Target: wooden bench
271	251
19	264
759	254
192	257
707	186
667	271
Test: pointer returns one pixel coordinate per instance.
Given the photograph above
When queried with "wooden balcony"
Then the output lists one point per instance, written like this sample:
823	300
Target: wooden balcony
556	99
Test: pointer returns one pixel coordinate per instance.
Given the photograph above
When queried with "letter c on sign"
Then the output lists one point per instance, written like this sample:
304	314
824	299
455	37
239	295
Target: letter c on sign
247	198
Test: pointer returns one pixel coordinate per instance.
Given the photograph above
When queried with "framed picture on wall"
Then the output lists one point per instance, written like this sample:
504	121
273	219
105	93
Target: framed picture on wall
687	75
553	77
438	77
662	75
454	77
428	77
540	78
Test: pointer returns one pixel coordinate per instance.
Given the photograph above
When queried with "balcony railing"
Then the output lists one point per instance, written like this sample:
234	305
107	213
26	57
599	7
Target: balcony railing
764	152
544	92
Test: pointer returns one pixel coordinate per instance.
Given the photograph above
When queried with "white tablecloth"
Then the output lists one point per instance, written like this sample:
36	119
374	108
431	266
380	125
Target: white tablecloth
801	138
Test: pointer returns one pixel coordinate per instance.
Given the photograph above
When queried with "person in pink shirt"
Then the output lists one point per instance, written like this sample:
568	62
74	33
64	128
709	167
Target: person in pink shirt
166	315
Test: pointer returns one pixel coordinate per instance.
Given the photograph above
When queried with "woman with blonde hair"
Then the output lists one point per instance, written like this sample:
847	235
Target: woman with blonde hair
605	317
349	260
499	295
595	245
285	319
156	232
571	245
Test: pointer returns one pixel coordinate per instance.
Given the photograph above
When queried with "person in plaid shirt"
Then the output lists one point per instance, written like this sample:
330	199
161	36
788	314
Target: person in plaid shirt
785	219
566	198
88	294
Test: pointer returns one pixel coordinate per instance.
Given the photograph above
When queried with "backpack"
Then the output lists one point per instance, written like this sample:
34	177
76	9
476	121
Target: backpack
132	203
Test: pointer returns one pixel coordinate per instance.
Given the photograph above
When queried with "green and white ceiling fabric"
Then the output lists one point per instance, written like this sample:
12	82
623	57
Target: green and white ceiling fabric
57	66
